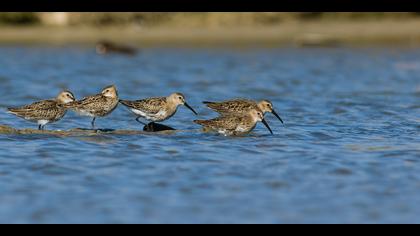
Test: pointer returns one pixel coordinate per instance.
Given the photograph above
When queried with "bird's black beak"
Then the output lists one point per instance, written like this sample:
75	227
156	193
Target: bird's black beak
189	107
275	113
266	125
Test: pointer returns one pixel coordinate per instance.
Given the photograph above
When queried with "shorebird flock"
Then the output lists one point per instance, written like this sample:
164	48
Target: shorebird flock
237	117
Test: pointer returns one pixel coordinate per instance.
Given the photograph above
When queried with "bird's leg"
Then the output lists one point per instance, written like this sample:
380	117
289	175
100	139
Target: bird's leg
93	123
138	120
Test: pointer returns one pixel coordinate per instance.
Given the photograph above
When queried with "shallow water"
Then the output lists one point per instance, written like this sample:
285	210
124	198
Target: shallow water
349	151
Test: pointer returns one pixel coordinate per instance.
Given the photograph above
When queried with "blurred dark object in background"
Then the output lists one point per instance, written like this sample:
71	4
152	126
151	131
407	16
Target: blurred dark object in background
19	18
106	47
317	40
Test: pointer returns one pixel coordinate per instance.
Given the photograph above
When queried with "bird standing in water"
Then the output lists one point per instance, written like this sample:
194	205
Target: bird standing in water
157	109
98	105
46	111
241	106
234	124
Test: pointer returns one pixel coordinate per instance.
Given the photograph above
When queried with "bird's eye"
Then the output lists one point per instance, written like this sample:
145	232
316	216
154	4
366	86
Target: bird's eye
180	98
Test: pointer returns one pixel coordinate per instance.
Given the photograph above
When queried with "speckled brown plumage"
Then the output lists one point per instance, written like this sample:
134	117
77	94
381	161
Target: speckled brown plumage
234	124
229	106
94	106
148	105
241	106
46	111
157	109
98	105
43	110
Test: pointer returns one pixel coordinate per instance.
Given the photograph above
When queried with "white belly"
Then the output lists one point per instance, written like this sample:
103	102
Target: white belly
244	129
241	129
222	131
160	116
85	113
43	122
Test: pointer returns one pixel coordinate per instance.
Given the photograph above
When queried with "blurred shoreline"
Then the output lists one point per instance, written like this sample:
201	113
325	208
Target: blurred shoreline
387	32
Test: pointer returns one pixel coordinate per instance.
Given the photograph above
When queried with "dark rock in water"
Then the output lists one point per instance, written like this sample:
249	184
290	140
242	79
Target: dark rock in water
154	127
105	130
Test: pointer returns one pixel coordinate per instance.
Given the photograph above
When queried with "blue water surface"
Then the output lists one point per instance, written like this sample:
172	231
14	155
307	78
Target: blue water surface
348	152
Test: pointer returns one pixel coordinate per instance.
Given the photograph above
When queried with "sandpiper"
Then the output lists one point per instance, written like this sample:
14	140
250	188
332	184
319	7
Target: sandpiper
157	109
98	105
46	111
234	123
241	106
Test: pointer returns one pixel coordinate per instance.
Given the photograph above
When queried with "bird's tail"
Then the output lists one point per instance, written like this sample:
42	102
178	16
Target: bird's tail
125	102
211	105
11	110
16	112
200	122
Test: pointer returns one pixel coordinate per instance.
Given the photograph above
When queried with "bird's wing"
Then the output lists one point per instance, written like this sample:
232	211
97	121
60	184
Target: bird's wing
229	106
47	109
86	102
149	105
41	105
226	122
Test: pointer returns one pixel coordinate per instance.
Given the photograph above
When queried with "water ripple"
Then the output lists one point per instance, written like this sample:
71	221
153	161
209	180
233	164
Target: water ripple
350	139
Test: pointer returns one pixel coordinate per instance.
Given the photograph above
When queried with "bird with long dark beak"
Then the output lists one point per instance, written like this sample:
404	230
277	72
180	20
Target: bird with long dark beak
242	106
157	109
234	124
